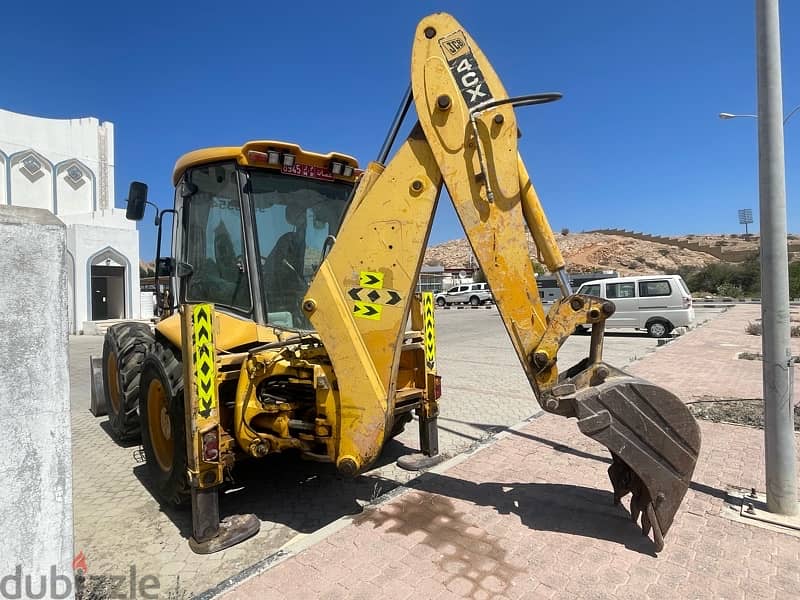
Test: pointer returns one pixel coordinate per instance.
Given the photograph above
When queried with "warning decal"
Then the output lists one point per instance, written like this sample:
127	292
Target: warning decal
366	310
429	331
464	69
370	279
204	359
387	296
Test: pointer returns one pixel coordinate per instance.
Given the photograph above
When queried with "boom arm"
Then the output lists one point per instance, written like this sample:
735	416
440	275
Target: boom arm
359	300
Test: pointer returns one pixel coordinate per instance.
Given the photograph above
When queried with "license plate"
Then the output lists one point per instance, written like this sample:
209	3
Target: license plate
301	170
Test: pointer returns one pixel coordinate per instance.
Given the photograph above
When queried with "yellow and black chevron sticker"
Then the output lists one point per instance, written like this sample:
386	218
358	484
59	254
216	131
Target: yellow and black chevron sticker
387	296
204	359
370	279
429	331
366	310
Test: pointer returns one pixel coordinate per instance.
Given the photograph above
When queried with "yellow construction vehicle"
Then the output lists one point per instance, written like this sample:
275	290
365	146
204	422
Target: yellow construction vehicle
294	277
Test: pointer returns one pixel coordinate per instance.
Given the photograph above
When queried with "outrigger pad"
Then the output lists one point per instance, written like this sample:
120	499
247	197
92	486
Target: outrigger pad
654	441
232	530
419	461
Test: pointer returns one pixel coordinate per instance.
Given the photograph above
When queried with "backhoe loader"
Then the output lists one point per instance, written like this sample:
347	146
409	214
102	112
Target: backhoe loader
293	276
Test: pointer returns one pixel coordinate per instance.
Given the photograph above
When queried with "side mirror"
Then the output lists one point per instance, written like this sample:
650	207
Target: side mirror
137	199
165	266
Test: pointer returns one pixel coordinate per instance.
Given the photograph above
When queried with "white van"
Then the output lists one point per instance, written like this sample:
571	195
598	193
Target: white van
657	303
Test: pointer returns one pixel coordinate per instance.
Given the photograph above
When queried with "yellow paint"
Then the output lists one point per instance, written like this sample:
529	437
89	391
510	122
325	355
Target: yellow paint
540	228
496	230
239	153
370	279
365	353
229	332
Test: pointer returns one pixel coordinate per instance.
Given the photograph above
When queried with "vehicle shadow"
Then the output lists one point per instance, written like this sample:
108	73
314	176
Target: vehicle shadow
287	490
106	427
555	507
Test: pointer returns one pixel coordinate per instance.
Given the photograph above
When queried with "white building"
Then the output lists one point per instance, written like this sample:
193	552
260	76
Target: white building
67	166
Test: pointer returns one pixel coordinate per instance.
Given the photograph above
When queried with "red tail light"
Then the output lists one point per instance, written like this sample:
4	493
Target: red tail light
210	446
437	386
687	303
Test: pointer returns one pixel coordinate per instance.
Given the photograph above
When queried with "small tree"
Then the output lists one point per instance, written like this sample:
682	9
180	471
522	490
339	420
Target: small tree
538	268
565	231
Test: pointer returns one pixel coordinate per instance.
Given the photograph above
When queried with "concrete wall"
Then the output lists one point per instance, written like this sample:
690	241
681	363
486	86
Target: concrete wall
716	251
36	473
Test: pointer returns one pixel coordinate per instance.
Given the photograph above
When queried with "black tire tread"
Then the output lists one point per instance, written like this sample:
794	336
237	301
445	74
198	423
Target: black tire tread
130	342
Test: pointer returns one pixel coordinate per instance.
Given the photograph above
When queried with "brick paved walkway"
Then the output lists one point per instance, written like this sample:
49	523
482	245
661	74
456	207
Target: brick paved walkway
531	516
705	363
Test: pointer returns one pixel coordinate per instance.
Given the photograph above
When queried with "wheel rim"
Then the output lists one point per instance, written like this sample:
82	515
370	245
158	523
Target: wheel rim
658	329
159	425
113	382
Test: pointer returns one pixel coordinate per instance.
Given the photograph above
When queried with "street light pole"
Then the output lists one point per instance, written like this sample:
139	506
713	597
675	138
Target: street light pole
781	459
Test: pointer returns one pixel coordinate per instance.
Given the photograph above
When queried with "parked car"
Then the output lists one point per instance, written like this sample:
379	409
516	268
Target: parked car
657	303
474	294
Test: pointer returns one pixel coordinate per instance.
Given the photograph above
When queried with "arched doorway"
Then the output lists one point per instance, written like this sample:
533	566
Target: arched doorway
109	274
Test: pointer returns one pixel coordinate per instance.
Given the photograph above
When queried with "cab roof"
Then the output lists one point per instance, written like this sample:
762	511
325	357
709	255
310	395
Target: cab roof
254	154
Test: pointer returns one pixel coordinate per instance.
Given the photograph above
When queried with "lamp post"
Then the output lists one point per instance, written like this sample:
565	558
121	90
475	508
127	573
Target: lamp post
726	116
777	363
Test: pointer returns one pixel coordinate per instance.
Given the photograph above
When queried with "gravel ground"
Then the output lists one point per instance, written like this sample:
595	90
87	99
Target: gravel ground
739	412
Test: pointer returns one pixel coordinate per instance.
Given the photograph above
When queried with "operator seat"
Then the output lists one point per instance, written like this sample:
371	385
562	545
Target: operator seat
282	273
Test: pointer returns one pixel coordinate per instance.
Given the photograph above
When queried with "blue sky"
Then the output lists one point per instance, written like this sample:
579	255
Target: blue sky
635	143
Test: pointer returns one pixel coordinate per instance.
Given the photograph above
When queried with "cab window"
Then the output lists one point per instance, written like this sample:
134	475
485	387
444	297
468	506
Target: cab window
621	290
214	242
591	290
654	288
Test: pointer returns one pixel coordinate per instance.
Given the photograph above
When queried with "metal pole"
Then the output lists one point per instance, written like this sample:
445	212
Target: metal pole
781	459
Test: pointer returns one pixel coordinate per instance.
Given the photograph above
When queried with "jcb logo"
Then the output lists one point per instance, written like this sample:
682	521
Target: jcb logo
453	46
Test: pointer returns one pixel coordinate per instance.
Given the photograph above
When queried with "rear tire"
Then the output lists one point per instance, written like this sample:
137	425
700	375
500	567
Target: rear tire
123	352
163	425
474	301
659	329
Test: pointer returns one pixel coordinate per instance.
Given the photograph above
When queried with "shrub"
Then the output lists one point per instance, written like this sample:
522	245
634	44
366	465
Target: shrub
565	231
753	328
729	289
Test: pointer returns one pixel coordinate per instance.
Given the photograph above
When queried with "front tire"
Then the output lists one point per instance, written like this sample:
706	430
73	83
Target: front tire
163	425
441	302
474	301
123	352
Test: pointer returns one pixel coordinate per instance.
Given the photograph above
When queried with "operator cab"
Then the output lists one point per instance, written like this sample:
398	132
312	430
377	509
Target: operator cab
251	226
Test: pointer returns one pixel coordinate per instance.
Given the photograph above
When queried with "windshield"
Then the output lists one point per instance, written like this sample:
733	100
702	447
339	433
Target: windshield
293	217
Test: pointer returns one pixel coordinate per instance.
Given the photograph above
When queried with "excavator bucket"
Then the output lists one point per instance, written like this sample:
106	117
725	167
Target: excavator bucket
653	439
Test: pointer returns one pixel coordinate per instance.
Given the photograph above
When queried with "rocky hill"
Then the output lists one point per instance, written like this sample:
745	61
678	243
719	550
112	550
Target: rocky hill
587	252
621	251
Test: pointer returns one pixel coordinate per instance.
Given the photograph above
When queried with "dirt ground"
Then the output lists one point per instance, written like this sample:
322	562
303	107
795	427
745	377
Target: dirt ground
739	412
